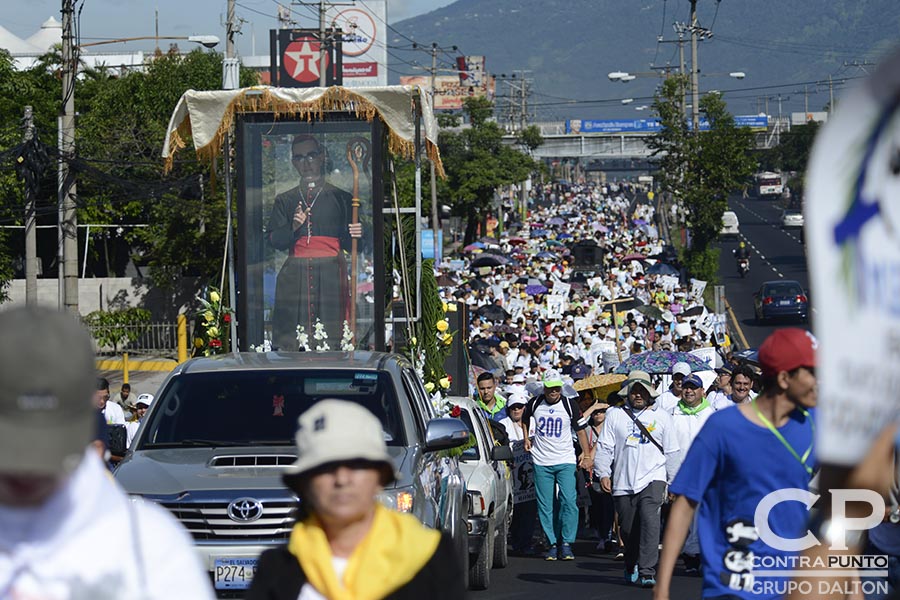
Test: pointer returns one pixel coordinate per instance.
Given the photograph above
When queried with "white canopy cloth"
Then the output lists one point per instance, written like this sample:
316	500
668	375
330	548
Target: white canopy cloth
207	116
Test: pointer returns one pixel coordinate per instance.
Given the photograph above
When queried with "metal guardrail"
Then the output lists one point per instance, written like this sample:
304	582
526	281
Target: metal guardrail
157	339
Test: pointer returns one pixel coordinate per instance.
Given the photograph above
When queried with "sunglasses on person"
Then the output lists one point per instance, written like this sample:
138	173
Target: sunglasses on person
310	157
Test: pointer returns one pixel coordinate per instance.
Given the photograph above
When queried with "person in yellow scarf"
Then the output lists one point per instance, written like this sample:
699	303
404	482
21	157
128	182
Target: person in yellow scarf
345	544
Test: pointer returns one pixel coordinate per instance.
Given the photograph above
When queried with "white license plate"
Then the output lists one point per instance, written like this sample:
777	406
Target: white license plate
234	573
784	303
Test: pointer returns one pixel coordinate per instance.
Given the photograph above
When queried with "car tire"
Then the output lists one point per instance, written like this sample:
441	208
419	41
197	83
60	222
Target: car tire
480	568
501	549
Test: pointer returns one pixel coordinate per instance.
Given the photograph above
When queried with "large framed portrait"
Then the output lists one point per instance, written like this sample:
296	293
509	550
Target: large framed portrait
309	246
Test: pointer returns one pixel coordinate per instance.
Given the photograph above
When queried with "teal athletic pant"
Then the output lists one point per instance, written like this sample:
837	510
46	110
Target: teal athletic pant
558	512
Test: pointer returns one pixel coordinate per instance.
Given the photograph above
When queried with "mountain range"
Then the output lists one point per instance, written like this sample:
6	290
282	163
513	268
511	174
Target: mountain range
567	48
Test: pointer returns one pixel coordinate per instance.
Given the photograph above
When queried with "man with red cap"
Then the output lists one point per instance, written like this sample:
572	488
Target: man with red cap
738	458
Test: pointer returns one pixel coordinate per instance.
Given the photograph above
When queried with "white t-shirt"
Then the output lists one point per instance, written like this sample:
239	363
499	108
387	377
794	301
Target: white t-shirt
667	401
515	430
553	443
114	414
638	462
51	552
308	592
686	428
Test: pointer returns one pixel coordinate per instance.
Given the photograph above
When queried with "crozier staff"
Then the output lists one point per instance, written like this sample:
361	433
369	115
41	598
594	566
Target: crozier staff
312	221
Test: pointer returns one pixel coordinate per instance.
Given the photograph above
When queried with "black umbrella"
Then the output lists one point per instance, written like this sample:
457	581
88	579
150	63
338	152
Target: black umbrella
492	312
477	284
489	260
694	311
624	304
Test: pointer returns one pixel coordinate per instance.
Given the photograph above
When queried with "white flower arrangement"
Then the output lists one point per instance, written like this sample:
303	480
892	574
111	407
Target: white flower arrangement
302	339
321	336
347	339
266	346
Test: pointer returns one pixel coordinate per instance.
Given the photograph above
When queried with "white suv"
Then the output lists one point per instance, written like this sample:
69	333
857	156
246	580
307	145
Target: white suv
486	469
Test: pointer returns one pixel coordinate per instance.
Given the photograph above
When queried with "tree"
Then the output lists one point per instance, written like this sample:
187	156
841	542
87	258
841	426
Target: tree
477	162
701	168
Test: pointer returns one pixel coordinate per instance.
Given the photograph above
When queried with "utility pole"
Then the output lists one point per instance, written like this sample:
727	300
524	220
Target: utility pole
230	80
805	100
695	70
323	51
30	231
830	94
67	152
435	217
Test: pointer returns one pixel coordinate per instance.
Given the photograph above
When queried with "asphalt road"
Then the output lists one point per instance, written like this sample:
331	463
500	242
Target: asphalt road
776	254
592	575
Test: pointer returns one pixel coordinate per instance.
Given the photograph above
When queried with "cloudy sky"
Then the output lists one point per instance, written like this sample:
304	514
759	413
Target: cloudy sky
132	18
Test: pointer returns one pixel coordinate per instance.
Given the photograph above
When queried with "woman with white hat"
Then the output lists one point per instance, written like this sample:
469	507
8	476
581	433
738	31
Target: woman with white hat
345	544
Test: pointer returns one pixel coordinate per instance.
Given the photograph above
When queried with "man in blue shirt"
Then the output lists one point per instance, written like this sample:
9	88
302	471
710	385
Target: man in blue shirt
743	454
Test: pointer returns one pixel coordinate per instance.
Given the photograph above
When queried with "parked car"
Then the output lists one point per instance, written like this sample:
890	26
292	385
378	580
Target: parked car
730	225
213	446
489	484
791	219
782	298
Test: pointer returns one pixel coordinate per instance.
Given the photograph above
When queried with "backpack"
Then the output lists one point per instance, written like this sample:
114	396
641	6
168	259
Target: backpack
569	405
118	440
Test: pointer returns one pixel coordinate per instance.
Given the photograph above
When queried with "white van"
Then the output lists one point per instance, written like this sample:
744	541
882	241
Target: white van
730	225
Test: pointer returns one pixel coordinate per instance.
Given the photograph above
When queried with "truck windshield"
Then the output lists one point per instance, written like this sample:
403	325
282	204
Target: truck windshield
261	407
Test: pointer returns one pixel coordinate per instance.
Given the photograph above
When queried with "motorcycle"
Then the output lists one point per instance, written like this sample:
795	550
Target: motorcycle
743	267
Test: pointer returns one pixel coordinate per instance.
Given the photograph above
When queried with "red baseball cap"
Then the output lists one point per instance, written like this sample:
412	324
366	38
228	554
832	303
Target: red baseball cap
787	349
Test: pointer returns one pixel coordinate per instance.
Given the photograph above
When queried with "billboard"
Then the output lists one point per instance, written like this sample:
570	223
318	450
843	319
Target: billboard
471	70
755	122
294	58
449	93
364	41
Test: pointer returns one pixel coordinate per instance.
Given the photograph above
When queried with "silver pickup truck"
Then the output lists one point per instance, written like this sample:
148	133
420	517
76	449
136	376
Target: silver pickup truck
213	446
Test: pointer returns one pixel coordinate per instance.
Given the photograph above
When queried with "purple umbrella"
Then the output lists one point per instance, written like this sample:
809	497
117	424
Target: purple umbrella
556	221
661	361
534	290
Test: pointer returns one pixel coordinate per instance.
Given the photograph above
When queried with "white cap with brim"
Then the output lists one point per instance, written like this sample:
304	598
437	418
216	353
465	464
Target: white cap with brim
681	368
640	378
552	379
336	431
47	385
145	399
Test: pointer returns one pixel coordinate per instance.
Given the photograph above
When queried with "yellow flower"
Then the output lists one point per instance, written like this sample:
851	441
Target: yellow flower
214	296
413	340
442	325
198	342
212	332
209	316
448	340
429	387
445	306
445	382
451	307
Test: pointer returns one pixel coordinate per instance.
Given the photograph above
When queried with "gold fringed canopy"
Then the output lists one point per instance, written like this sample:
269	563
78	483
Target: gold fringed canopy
207	116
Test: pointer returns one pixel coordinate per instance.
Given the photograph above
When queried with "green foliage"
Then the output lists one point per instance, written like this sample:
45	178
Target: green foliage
477	163
531	137
434	343
117	327
701	169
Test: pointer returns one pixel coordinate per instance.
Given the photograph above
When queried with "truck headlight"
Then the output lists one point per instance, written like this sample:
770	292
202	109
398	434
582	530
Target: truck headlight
400	500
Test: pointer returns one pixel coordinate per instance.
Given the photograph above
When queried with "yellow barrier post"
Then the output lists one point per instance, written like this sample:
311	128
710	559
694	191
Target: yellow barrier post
182	338
124	367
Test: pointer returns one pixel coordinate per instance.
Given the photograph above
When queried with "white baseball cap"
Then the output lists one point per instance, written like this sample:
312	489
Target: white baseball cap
681	368
335	431
145	399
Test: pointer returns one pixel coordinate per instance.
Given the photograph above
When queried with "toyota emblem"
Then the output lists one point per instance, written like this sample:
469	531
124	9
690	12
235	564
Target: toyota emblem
245	510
